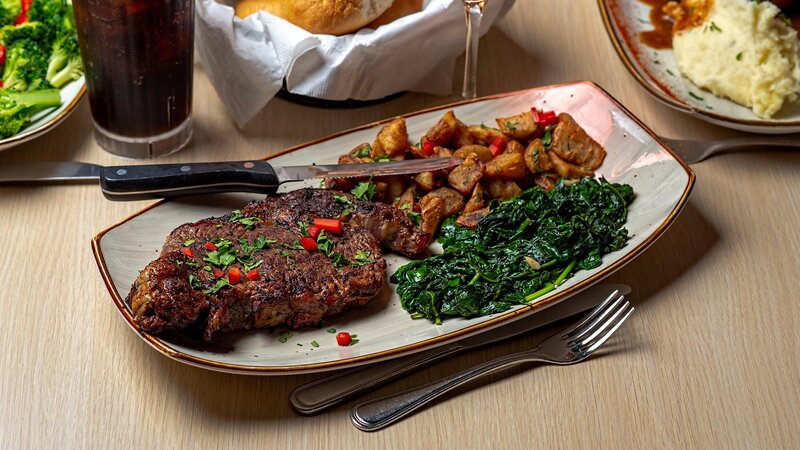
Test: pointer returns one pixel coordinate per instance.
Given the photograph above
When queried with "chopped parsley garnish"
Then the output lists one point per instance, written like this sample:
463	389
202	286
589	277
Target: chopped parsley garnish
295	245
739	56
238	216
695	96
363	151
353	342
670	72
383	159
547	139
249	267
362	259
342	199
221	283
512	126
303	226
259	243
712	27
346	212
414	217
331	330
655	61
364	190
194	282
324	243
285	253
284	337
314	344
192	264
223	256
339	260
189	242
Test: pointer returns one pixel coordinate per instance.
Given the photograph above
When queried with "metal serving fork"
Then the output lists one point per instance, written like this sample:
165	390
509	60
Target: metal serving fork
567	347
696	151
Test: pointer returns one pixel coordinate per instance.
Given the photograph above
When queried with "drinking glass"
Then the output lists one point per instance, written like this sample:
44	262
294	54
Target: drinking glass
473	10
138	57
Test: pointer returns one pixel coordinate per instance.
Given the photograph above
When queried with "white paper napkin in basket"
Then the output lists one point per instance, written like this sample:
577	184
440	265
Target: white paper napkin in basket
248	59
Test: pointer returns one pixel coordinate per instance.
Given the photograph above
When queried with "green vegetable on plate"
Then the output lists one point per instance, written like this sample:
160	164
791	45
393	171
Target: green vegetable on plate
523	249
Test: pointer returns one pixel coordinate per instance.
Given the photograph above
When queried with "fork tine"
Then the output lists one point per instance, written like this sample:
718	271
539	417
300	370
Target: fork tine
600	319
608	321
589	317
594	346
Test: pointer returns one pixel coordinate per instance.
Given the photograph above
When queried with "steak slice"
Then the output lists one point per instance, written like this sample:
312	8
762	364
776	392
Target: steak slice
289	285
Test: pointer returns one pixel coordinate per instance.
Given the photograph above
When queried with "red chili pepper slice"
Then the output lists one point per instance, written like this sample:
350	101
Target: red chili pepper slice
2	55
497	146
187	251
343	339
544	118
253	275
313	231
210	246
23	13
332	225
308	243
234	275
428	147
218	273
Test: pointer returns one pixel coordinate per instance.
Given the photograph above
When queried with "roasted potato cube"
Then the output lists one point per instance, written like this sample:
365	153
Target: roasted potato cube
513	146
416	151
482	151
510	166
464	177
462	135
485	134
441	152
476	201
406	198
520	126
470	219
380	191
567	170
425	181
453	201
392	140
573	145
546	181
349	159
395	185
442	133
503	189
432	215
536	159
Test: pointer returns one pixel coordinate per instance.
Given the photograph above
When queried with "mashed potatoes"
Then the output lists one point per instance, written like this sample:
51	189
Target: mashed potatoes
740	49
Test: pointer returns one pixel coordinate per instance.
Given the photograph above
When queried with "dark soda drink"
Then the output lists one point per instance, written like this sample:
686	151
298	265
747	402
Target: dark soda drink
138	59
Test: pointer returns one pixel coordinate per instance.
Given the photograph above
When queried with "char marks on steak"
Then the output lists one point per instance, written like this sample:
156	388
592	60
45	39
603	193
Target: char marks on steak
293	287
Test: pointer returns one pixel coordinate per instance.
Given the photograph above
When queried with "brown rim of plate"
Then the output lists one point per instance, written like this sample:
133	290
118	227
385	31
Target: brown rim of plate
662	93
31	134
406	349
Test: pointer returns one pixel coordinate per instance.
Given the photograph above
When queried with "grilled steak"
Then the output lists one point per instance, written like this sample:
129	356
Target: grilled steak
190	284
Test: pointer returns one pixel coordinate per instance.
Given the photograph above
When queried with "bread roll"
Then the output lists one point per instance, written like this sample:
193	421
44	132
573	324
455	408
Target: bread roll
319	16
400	8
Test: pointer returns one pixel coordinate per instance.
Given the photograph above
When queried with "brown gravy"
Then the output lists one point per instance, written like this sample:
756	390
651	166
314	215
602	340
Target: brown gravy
661	35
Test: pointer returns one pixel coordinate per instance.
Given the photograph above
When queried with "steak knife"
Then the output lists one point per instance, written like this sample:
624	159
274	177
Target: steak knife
137	182
329	391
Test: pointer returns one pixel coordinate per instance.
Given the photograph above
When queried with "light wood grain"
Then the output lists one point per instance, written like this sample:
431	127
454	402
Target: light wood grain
709	360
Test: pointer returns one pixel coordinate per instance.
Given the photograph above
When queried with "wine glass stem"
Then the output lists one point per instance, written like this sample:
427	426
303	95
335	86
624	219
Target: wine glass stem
474	14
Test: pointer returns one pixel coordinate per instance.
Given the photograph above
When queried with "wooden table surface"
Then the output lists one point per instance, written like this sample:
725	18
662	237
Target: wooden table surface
709	359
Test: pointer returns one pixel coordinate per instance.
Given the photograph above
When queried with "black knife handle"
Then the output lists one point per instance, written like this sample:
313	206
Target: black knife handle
139	182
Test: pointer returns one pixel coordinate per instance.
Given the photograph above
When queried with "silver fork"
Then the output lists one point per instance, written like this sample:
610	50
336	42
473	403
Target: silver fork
567	347
696	151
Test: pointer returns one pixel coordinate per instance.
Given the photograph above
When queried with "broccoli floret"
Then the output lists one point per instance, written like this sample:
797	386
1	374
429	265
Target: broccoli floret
27	55
56	16
65	62
16	108
9	11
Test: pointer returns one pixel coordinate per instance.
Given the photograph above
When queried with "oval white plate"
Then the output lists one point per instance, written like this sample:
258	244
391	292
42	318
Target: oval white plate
43	122
658	72
661	181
